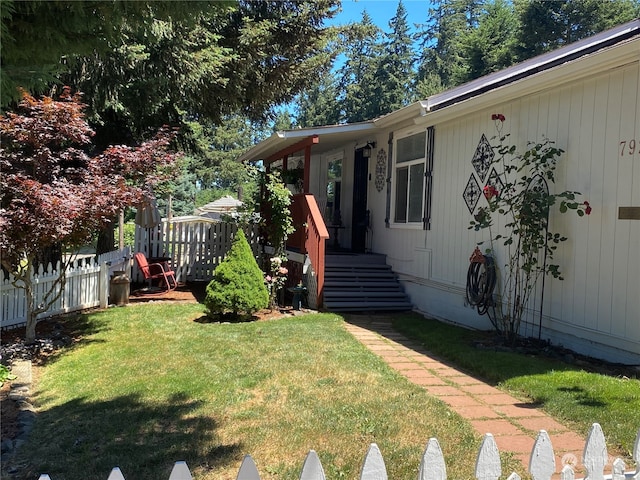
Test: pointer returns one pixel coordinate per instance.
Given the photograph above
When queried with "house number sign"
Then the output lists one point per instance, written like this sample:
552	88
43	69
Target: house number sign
629	147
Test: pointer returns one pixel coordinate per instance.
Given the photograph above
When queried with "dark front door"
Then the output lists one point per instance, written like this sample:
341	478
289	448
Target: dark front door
360	220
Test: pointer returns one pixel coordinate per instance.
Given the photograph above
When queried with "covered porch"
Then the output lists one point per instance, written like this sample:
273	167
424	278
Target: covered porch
327	170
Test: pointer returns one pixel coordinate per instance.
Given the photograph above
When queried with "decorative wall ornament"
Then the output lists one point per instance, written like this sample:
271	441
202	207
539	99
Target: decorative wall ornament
381	169
483	157
494	180
472	193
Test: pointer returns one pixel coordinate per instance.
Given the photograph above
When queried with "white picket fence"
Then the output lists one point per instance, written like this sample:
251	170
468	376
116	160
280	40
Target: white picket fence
542	463
195	247
87	286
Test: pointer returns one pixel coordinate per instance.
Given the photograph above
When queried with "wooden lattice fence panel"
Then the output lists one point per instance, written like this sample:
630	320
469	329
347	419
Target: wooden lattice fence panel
196	248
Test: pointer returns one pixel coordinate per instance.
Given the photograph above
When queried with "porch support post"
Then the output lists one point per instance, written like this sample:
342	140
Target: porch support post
307	168
262	186
284	162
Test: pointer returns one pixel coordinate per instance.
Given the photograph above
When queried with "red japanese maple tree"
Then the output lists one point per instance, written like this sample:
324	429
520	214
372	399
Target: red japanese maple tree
52	192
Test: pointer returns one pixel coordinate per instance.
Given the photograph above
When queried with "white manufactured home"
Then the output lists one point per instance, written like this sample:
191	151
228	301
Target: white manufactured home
404	188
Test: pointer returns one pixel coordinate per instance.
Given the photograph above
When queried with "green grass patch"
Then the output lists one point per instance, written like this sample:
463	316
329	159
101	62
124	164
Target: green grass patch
570	394
149	385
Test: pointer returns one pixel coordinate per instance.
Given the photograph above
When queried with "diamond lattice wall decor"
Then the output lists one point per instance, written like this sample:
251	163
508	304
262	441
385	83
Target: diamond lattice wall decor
495	180
483	157
472	193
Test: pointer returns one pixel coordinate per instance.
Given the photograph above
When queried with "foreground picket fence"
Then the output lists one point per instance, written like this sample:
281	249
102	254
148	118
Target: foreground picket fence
87	286
542	463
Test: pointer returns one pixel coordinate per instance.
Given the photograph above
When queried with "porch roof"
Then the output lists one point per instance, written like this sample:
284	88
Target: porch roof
330	137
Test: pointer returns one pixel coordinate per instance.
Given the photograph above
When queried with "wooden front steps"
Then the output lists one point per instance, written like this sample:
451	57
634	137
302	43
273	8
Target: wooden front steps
362	283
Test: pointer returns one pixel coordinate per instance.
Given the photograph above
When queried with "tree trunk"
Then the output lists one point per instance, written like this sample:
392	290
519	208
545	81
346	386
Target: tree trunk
106	239
48	298
32	314
50	255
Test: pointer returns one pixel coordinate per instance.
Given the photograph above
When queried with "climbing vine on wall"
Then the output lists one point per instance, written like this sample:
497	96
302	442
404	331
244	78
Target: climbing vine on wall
519	195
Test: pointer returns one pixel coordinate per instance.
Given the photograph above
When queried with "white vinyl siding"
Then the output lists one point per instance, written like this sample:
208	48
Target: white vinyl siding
595	309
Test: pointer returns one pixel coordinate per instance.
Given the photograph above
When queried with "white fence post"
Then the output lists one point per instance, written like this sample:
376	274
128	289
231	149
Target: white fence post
542	463
180	471
312	468
618	469
595	455
488	463
373	467
116	474
248	469
567	473
432	466
104	285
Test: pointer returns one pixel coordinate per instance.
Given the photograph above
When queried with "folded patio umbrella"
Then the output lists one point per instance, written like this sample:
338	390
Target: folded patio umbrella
148	217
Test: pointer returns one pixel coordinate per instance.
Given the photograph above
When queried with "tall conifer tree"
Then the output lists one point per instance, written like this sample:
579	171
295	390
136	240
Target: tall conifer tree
357	76
549	24
489	46
395	72
441	62
319	105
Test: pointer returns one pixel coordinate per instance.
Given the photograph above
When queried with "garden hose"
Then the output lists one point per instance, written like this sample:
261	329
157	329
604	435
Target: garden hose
481	281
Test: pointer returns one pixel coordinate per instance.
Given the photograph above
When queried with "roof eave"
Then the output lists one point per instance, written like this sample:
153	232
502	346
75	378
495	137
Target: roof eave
260	150
534	65
549	79
410	112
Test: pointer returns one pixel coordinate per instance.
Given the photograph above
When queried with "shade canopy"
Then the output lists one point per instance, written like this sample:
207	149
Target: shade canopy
148	215
226	204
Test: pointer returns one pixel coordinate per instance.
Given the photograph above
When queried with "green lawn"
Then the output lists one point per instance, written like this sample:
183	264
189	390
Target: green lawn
150	384
572	395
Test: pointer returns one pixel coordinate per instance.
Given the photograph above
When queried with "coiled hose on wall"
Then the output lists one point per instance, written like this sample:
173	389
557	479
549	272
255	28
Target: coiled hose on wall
481	281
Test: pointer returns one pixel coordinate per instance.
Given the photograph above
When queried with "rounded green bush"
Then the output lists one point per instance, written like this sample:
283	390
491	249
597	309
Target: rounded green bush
238	283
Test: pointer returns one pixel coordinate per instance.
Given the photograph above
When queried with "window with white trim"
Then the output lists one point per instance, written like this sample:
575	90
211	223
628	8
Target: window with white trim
409	177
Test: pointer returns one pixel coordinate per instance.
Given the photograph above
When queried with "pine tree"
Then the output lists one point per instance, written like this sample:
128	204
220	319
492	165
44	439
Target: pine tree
442	62
238	283
282	121
357	76
489	46
319	105
549	24
41	40
395	68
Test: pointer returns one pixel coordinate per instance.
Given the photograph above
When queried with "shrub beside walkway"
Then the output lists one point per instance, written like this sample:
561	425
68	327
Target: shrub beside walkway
513	423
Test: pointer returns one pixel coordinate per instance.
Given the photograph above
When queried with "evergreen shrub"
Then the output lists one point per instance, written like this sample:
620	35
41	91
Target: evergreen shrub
238	283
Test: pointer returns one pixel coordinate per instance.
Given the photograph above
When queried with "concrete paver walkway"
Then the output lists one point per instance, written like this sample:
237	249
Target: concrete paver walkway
513	423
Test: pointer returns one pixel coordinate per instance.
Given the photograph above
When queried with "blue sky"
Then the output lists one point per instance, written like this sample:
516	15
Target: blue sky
381	11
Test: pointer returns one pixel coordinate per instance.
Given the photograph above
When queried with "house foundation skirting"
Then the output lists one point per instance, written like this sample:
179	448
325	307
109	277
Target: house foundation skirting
447	303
